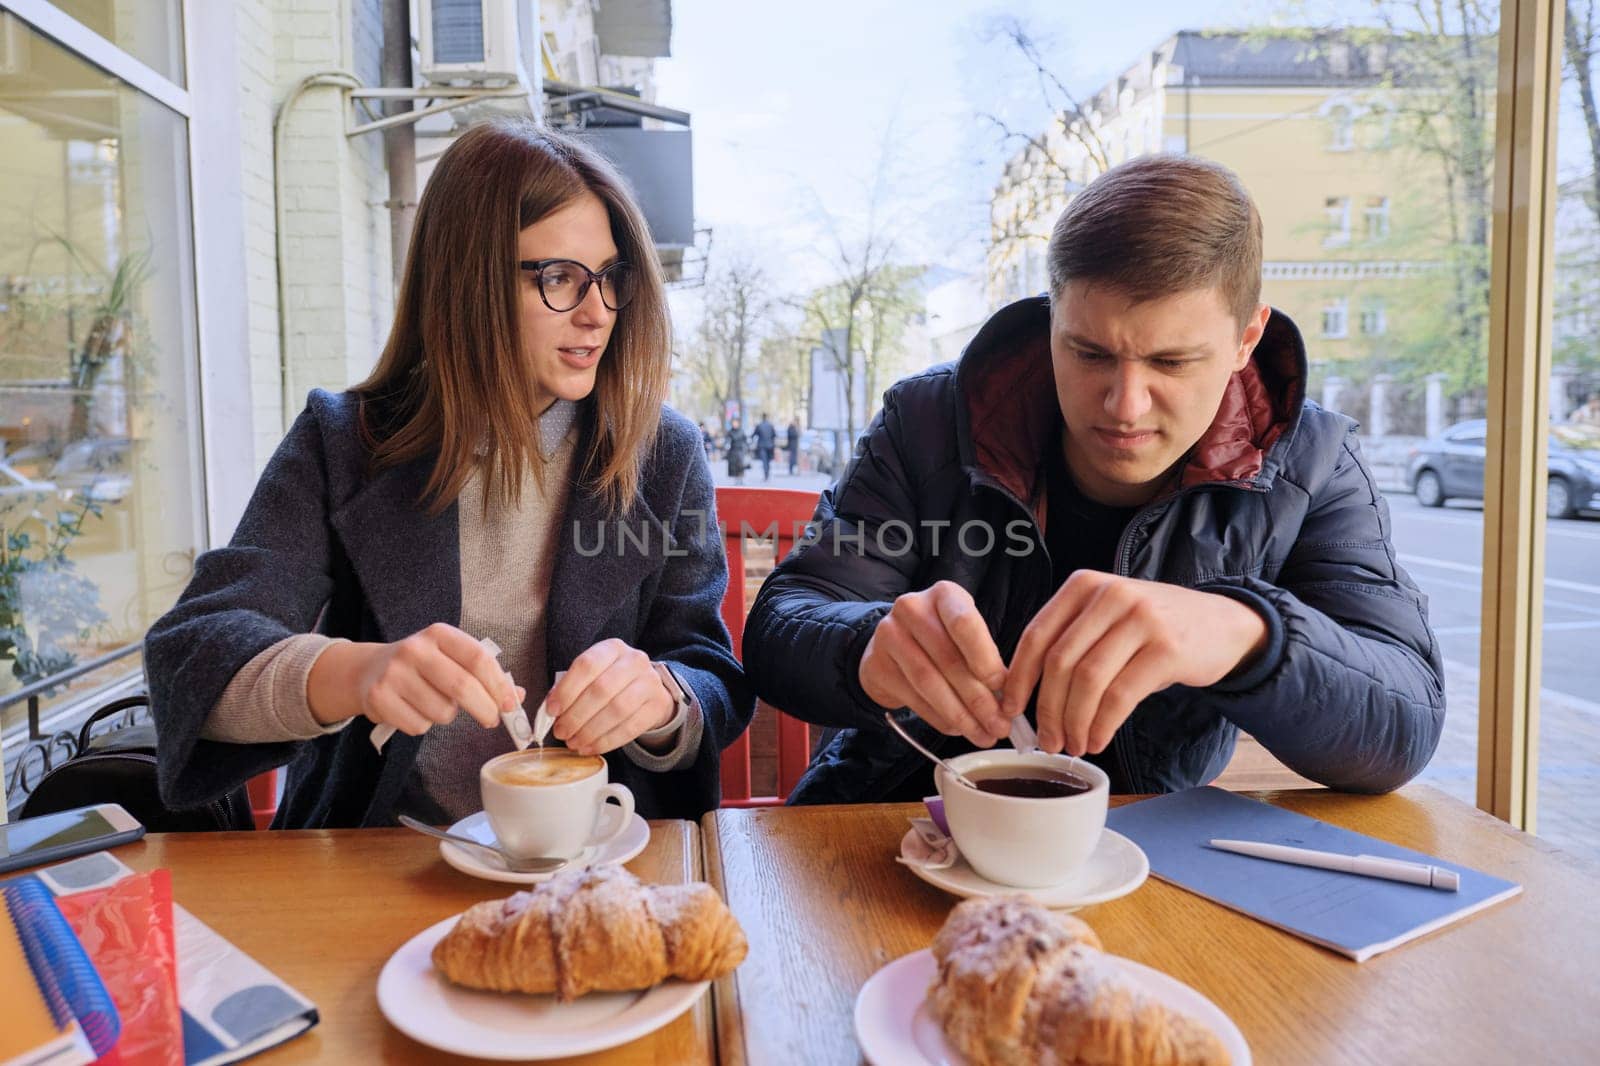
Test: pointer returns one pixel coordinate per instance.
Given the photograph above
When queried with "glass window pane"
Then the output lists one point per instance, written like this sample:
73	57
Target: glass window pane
149	30
1568	804
100	490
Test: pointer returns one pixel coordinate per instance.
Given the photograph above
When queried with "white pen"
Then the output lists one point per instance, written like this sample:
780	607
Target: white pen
1416	873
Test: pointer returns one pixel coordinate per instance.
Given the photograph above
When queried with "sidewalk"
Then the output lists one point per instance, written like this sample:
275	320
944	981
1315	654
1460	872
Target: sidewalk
781	479
1568	810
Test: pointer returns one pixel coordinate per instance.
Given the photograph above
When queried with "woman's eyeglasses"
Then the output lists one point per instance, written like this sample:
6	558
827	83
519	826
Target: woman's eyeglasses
563	283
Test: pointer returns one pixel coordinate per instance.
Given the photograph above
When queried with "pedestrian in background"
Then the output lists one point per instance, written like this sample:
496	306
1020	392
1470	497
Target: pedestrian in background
766	445
792	446
737	443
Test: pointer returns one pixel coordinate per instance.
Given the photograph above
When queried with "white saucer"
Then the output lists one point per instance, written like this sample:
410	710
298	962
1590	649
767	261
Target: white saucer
476	827
1116	867
508	1025
895	1027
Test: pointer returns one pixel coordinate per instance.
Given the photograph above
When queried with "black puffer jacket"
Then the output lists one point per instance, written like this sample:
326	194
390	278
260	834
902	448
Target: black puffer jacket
1276	509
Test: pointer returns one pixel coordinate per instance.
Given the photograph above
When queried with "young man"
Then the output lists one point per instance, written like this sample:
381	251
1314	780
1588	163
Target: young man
1119	515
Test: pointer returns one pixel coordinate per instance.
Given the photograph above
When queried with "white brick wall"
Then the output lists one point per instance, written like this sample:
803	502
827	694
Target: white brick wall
336	231
336	234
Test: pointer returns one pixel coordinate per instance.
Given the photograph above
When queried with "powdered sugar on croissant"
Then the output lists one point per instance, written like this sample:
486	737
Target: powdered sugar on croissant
1020	984
591	930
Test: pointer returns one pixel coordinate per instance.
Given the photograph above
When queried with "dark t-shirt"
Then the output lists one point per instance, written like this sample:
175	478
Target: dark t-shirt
1079	533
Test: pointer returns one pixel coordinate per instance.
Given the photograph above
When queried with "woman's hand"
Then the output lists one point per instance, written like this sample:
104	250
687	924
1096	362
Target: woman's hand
609	695
411	684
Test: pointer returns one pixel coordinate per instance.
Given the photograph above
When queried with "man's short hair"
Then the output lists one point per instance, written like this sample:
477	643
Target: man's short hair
1160	225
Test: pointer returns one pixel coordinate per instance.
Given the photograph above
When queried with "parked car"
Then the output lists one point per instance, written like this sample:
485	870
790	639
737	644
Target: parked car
819	447
1450	467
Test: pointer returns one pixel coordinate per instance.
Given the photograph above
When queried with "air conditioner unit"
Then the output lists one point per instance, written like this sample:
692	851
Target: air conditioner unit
470	41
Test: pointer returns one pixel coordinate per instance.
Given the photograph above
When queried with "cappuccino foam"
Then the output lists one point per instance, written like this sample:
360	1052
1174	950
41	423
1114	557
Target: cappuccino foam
549	767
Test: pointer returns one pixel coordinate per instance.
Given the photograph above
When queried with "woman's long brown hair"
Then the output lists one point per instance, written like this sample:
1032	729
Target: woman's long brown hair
453	378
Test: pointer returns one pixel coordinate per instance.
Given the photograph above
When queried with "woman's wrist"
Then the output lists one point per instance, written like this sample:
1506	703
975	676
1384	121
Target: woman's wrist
333	691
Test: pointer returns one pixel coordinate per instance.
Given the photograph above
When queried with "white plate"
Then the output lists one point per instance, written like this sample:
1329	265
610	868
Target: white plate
895	1027
509	1025
1116	867
476	827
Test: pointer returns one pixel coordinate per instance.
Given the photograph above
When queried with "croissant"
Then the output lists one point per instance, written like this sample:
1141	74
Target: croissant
1020	984
594	930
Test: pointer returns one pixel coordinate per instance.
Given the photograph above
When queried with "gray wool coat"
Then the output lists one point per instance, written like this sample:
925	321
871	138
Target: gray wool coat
325	547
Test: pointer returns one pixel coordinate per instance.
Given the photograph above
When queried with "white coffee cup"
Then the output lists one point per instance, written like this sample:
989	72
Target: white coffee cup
1024	841
548	802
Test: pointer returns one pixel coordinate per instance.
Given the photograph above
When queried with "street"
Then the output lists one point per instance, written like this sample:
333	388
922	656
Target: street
1442	550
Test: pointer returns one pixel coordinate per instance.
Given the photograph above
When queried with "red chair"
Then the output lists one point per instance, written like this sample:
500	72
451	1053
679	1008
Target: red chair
766	513
263	792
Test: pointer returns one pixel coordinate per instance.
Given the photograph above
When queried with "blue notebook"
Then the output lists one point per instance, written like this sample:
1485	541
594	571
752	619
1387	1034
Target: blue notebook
1348	913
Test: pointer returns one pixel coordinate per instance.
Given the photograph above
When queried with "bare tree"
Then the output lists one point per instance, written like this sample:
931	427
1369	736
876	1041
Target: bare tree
1069	112
784	370
738	303
1576	289
857	261
1580	57
1038	171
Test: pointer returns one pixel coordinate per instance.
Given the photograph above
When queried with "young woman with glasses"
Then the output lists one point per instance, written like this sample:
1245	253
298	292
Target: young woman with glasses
507	472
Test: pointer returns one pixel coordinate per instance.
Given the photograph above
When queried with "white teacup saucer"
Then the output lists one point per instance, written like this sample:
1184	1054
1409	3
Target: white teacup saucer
1116	867
476	827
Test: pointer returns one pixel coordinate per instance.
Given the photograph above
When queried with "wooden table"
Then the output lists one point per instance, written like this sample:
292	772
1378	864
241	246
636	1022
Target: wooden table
324	910
824	906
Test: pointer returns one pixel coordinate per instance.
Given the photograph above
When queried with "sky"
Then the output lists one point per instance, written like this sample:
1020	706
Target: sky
800	110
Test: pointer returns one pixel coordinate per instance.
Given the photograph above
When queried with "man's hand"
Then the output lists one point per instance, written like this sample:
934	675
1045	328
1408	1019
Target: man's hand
1103	643
933	653
608	696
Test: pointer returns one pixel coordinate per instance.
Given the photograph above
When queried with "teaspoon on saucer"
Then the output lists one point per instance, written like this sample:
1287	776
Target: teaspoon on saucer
537	865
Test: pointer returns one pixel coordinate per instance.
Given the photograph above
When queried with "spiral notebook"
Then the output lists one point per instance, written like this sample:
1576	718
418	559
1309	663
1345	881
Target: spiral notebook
1353	915
54	1010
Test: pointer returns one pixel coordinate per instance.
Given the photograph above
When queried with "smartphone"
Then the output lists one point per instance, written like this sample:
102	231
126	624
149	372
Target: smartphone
50	837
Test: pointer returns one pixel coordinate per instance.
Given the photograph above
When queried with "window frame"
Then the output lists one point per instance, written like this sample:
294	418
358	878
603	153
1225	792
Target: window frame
1521	336
218	378
1338	306
1378	212
1337	209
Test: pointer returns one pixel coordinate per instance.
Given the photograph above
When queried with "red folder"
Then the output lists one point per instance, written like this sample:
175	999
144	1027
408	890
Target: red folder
127	931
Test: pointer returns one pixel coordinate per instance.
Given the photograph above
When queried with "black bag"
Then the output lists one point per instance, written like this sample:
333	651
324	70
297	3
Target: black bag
119	766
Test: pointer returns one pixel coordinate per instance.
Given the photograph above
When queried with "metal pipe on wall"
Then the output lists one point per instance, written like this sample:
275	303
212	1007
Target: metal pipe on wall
400	140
